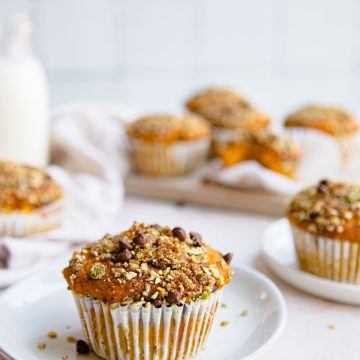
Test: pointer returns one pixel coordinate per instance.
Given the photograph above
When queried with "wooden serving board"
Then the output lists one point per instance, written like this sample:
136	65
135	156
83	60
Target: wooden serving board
191	189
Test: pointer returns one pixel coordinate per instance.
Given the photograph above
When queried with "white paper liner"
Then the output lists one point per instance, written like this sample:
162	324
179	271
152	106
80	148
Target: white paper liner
133	333
168	159
338	260
20	224
320	154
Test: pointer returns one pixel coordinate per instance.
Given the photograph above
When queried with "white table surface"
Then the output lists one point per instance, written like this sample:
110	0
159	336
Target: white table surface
307	334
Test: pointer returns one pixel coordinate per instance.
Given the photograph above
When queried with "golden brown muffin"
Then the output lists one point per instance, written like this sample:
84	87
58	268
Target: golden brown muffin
148	292
24	188
331	120
166	128
330	209
224	108
325	223
148	264
272	151
168	145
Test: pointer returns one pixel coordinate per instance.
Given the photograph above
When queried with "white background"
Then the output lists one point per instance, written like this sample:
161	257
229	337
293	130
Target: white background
151	54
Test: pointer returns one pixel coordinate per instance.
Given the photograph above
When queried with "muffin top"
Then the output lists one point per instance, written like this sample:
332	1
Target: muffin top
168	128
25	188
226	108
148	264
329	119
330	209
283	146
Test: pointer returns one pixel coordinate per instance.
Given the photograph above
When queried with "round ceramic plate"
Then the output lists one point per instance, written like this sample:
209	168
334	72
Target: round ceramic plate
279	253
253	310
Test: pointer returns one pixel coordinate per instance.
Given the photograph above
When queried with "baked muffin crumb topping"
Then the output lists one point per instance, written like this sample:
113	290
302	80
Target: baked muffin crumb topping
26	188
328	207
148	264
168	128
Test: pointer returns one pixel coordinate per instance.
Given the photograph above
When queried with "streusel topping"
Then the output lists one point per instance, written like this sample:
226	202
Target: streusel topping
226	108
328	207
168	128
26	188
148	264
331	119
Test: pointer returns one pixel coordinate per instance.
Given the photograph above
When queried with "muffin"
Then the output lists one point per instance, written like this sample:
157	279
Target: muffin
325	223
274	152
226	110
30	200
148	292
163	145
332	121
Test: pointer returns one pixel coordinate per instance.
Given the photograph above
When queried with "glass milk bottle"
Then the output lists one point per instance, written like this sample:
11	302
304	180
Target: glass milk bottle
24	104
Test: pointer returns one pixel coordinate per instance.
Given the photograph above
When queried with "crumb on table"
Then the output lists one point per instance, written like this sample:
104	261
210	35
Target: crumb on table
224	323
52	334
244	313
41	346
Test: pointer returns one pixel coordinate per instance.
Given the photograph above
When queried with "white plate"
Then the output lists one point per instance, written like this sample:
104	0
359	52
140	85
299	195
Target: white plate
279	253
30	309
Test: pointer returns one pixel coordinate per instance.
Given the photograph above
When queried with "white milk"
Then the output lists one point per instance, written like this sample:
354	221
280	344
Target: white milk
24	105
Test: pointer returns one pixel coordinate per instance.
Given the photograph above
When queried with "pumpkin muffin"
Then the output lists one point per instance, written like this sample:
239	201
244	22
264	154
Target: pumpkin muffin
274	152
325	222
148	292
30	200
330	120
226	109
168	144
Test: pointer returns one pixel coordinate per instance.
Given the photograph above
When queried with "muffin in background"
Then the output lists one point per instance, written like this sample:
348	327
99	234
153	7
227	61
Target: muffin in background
274	152
148	292
226	110
30	200
325	223
330	120
165	144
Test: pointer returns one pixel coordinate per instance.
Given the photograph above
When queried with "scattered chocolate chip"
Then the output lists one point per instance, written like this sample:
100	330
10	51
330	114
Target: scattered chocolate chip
173	298
82	347
323	186
180	203
4	256
124	245
196	238
179	233
124	255
140	239
157	303
228	257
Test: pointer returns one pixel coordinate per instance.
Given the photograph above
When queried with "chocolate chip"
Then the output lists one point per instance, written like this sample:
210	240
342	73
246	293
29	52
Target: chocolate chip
124	245
4	256
82	347
140	239
157	303
323	186
174	298
179	233
124	255
228	257
196	238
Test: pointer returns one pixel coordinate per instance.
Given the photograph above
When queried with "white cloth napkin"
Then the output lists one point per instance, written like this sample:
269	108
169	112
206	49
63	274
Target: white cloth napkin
89	160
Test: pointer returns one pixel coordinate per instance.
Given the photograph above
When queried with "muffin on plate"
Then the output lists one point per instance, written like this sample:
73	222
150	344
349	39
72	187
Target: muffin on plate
30	200
330	120
148	292
227	112
325	223
274	152
166	144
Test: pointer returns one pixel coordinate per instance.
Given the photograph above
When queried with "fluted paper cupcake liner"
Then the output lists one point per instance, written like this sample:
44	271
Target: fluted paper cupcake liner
337	260
135	332
168	159
21	224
